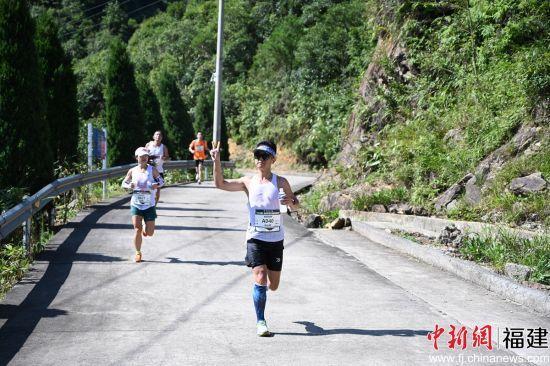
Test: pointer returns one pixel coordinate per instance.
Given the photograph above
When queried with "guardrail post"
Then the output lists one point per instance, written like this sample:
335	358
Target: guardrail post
27	235
205	173
52	213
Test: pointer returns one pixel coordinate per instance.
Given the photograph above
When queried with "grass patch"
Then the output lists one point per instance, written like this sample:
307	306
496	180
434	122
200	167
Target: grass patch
383	197
504	246
14	262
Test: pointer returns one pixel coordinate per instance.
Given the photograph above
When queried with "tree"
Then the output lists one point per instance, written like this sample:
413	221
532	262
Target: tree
115	21
275	59
75	27
25	151
150	107
176	120
59	89
204	117
123	114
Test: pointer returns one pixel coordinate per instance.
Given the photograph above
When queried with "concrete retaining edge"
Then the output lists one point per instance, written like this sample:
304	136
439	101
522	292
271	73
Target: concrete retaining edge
429	226
534	299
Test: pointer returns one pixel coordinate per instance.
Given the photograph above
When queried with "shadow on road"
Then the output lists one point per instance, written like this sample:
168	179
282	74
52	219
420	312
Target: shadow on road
315	330
200	186
181	203
8	311
162	208
173	260
198	217
186	315
103	225
23	318
54	256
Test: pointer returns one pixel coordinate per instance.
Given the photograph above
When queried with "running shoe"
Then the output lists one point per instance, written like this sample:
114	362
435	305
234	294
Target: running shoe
261	329
137	258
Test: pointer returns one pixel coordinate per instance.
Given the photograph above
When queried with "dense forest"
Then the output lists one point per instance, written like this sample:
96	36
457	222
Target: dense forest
399	99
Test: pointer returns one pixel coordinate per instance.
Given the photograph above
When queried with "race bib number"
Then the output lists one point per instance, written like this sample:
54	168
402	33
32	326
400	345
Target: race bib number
267	220
142	198
199	148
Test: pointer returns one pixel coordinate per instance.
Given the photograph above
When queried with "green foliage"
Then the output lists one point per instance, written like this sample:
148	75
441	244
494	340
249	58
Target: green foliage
14	262
322	53
115	21
23	127
482	70
123	115
298	91
204	118
503	247
275	59
10	197
59	88
176	120
91	75
516	209
383	197
150	107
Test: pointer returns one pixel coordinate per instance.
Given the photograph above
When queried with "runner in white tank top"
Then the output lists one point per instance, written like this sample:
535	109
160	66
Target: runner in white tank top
265	232
265	219
160	153
143	180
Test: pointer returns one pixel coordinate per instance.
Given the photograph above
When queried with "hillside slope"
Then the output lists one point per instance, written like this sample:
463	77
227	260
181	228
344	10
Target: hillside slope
452	107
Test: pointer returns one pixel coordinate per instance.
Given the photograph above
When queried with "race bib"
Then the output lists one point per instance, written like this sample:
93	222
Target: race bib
267	220
199	148
142	198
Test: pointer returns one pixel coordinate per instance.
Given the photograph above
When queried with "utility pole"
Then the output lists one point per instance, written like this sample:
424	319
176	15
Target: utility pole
218	91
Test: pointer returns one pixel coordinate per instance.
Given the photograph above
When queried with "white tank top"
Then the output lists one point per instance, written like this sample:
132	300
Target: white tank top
265	219
157	151
143	196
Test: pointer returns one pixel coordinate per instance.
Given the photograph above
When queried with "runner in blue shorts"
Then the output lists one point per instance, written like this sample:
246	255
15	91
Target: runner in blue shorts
265	234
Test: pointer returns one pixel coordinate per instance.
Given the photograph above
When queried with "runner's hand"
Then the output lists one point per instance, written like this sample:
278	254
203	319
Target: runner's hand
287	201
215	153
155	185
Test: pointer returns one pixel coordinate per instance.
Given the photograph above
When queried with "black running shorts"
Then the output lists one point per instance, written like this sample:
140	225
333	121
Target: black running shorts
259	252
198	162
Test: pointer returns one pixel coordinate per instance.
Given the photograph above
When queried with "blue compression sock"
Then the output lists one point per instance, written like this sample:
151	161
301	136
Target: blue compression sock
259	295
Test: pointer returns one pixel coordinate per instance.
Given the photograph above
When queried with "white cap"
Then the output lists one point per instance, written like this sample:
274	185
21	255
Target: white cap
140	151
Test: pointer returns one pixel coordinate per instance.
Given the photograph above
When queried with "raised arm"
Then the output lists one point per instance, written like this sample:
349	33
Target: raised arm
219	181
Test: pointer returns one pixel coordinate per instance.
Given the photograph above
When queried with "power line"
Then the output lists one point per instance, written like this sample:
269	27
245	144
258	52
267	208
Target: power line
97	6
94	14
145	6
98	24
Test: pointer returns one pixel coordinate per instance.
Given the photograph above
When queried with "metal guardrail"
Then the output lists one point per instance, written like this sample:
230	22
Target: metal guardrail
22	213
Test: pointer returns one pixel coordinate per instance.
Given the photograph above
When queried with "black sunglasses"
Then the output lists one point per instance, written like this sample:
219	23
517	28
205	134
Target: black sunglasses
261	155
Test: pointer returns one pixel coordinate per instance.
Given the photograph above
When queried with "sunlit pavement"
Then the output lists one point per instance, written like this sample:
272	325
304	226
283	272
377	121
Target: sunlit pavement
190	302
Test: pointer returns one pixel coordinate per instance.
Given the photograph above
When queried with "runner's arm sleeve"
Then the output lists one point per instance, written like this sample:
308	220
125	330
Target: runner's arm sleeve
159	180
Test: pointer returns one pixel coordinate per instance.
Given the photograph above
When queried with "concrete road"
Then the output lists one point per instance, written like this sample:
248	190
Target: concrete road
85	302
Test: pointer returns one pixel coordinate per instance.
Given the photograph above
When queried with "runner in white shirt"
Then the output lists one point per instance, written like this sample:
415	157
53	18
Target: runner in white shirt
143	180
158	152
265	232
